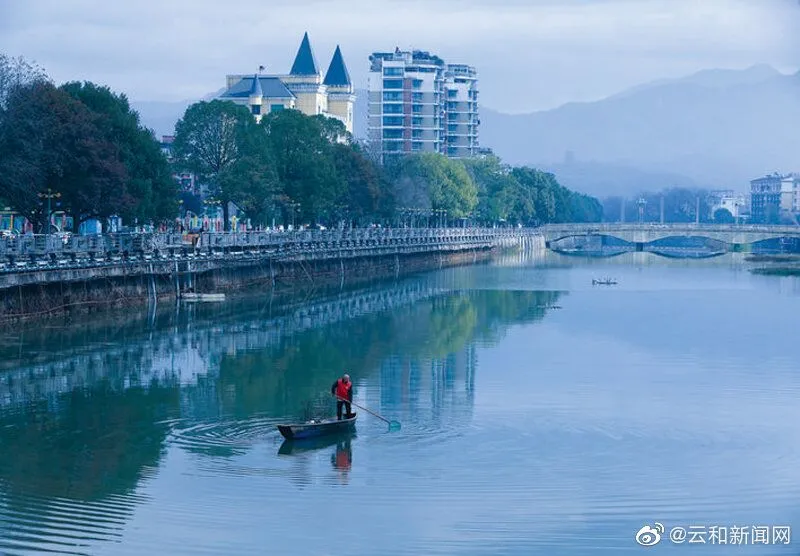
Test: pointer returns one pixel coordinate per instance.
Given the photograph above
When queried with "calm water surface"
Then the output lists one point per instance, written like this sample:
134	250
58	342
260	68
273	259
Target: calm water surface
540	415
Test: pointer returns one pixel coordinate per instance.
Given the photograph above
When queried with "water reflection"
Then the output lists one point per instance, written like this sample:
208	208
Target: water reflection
89	411
342	460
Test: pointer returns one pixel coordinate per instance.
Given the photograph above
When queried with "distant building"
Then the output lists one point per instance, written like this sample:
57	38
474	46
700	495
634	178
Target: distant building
418	103
303	89
735	203
186	180
774	198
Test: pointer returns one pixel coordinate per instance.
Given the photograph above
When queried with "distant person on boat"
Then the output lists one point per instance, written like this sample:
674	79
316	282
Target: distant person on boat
343	390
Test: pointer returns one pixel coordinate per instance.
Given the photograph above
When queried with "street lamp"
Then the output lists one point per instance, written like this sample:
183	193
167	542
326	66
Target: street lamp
642	203
49	196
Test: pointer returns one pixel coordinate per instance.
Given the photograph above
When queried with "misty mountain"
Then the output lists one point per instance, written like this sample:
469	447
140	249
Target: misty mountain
161	117
717	128
714	129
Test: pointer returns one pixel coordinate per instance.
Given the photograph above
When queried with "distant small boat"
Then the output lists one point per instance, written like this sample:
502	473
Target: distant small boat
203	296
606	282
315	428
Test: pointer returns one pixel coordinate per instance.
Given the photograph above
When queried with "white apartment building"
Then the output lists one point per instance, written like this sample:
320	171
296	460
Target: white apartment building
418	103
774	197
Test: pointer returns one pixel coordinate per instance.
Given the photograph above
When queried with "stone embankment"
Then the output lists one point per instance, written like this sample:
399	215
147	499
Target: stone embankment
42	275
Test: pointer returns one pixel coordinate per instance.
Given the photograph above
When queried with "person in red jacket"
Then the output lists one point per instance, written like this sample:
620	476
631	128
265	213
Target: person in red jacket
343	390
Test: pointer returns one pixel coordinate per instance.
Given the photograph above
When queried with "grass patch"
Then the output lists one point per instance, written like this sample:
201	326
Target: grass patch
772	258
777	271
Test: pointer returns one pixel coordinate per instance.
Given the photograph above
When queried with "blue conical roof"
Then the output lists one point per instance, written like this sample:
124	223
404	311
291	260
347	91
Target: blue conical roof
337	71
304	62
256	90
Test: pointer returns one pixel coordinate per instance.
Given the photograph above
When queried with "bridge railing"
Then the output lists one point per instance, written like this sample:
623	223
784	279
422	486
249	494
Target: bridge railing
50	248
626	226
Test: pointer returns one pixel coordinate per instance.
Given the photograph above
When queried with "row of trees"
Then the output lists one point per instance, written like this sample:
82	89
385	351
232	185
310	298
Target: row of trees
290	161
84	143
81	142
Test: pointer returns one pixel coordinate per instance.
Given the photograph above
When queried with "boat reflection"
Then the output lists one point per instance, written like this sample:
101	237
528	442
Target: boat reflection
341	458
300	446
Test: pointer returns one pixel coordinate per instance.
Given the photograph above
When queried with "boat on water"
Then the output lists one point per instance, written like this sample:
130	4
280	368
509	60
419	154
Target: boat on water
606	282
318	427
203	296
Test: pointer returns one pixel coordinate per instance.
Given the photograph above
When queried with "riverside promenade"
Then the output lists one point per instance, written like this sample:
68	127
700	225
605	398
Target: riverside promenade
41	258
46	274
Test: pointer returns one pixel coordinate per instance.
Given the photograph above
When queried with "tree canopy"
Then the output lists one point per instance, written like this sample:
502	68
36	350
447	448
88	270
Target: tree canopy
84	142
81	144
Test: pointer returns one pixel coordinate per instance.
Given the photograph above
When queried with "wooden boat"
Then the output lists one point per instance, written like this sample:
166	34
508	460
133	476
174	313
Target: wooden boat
606	282
203	296
316	428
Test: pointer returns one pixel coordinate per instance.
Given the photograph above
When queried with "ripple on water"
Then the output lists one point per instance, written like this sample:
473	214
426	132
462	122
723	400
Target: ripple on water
38	525
223	438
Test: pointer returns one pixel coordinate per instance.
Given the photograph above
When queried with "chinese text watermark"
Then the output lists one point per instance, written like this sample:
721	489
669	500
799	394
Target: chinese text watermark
651	535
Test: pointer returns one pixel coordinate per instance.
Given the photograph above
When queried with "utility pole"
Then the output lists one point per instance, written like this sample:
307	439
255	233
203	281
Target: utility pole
49	195
697	212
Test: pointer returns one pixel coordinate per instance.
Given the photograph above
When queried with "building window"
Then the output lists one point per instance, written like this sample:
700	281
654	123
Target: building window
392	72
392	108
392	83
417	83
452	93
256	109
392	133
392	96
275	107
416	120
393	120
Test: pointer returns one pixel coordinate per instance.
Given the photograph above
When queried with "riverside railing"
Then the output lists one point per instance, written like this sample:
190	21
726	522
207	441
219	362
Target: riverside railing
631	226
30	252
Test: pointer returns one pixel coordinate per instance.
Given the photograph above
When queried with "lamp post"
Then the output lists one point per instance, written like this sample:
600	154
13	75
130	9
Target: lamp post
212	202
49	196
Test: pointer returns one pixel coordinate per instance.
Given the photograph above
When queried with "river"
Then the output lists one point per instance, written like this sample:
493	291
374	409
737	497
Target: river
540	415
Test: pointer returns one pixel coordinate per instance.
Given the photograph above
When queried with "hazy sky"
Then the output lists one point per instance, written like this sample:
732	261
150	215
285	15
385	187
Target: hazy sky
530	54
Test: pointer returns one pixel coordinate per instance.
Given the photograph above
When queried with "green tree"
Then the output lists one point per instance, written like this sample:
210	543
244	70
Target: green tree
150	182
539	188
17	72
49	140
498	189
723	216
304	161
365	193
219	142
448	185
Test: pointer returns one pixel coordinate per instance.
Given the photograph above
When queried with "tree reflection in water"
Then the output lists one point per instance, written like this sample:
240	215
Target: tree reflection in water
86	412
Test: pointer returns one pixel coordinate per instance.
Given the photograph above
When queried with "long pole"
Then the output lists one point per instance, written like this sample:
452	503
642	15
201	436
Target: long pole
393	423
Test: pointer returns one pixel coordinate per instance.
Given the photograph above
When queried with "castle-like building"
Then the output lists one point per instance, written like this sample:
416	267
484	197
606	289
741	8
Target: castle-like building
304	88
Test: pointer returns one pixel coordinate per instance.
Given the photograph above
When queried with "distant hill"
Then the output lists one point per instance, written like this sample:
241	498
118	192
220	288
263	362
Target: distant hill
161	117
717	128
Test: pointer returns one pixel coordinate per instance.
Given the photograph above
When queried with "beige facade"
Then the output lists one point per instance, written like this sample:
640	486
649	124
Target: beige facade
304	88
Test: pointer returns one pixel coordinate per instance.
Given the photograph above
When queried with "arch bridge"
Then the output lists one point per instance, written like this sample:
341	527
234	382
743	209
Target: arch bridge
737	237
